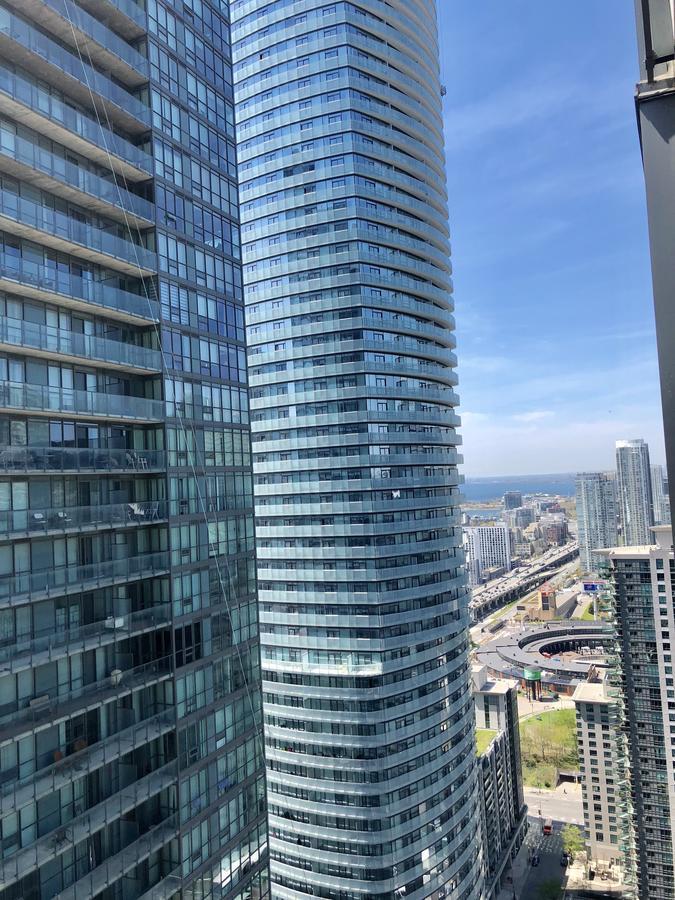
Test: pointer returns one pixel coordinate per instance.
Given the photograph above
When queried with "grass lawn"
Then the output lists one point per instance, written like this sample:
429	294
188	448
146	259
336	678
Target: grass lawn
587	615
484	738
548	742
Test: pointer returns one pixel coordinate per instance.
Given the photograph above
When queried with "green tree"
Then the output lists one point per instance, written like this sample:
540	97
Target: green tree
572	839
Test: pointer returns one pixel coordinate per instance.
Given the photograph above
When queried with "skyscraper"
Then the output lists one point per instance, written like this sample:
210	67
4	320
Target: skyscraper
660	498
363	598
130	702
644	591
597	521
634	492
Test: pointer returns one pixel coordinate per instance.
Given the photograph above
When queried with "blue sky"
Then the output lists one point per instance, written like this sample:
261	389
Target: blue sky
556	346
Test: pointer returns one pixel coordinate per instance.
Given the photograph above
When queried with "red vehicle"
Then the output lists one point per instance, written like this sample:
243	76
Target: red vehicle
548	826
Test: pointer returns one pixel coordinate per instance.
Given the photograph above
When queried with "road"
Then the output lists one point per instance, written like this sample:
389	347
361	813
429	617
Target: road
479	633
549	848
565	807
528	879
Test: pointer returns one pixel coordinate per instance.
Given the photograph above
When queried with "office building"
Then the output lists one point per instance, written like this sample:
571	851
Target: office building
363	599
488	547
634	492
597	516
130	704
512	500
644	589
660	499
597	740
503	810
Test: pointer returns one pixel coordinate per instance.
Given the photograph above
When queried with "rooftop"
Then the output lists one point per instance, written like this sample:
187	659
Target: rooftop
591	692
484	737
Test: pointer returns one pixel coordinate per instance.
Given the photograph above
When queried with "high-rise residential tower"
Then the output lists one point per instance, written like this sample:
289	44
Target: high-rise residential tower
644	590
363	598
487	547
597	520
660	499
634	492
130	751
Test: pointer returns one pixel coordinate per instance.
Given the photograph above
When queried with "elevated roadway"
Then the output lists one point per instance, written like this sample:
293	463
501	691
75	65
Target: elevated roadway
497	593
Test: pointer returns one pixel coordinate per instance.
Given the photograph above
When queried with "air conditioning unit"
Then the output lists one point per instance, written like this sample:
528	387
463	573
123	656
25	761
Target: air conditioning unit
115	677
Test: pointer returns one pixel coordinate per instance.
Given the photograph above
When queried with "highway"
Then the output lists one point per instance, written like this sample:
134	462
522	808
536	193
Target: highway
521	581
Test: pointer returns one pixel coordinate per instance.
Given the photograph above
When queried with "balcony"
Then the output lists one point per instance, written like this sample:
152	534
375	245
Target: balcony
80	459
23	789
17	588
126	16
88	404
25	159
25	99
44	58
57	343
44	225
23	654
66	837
44	709
113	869
56	520
72	24
46	283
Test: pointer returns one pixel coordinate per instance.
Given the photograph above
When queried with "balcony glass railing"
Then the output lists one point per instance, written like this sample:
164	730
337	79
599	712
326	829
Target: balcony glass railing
94	634
31	94
110	871
55	281
24	786
85	825
79	459
69	343
16	721
86	403
61	579
130	8
49	221
30	39
103	36
42	160
65	518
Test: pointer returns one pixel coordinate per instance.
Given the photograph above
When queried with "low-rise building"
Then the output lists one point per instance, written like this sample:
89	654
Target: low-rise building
597	741
504	814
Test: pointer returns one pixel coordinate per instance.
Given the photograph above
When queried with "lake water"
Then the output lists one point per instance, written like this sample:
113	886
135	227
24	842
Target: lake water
494	488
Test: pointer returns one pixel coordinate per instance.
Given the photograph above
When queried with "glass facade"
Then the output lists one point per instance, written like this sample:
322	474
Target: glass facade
363	597
131	756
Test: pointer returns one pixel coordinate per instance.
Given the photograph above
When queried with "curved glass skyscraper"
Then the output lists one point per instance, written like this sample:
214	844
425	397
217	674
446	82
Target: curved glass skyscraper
369	714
